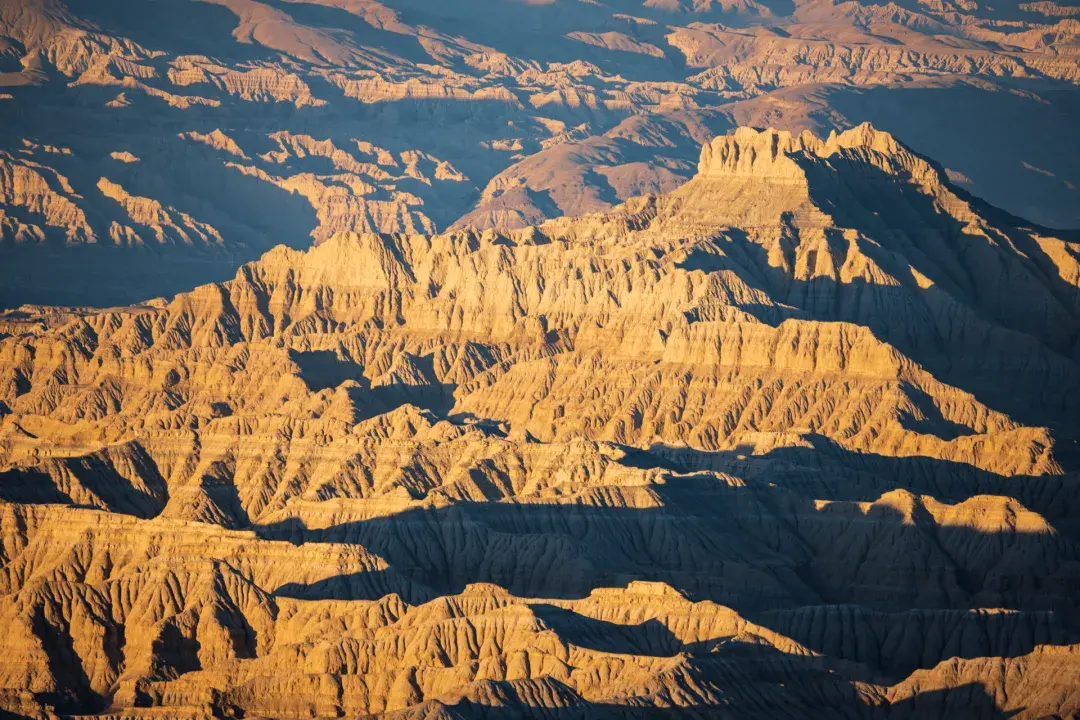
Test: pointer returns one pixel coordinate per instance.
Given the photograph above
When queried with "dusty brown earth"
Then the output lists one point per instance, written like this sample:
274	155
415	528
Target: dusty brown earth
795	439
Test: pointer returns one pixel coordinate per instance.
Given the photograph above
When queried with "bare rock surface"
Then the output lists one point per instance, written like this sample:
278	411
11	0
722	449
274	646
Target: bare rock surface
149	147
794	439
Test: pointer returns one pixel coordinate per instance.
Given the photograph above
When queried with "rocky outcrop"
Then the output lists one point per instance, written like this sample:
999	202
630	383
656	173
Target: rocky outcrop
167	225
260	84
39	202
373	194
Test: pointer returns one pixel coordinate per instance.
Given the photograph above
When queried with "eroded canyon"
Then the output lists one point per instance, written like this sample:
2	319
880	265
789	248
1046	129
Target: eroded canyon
150	146
794	439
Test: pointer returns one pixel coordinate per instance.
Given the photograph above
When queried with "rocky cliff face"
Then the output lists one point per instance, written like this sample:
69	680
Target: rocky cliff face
797	438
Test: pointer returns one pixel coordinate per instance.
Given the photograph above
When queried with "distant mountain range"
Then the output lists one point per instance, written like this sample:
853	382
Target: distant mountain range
795	439
148	146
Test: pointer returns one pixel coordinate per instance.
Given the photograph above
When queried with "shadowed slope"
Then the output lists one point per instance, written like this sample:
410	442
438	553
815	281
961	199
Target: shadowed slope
792	438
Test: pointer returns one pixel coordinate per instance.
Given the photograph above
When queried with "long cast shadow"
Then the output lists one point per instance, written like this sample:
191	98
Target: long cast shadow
967	328
739	680
368	585
825	470
767	551
95	475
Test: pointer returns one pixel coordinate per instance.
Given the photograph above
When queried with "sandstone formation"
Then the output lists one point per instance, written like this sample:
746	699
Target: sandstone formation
236	125
795	439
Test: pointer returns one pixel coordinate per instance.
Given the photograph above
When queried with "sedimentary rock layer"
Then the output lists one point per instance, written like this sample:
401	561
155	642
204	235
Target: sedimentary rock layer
793	439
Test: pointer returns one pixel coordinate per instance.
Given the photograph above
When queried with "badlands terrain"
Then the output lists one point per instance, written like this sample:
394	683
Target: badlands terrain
149	146
795	439
561	359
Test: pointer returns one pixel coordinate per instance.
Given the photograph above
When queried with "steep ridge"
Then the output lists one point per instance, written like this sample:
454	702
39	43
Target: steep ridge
795	438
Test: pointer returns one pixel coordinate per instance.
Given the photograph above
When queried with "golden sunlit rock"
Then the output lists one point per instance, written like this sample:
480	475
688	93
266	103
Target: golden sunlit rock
791	440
